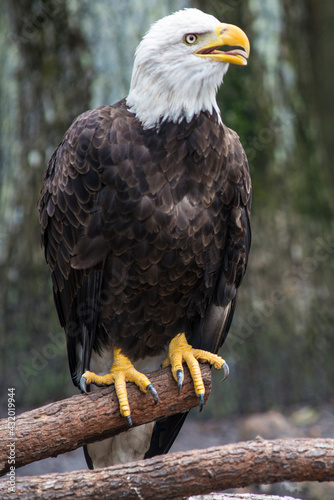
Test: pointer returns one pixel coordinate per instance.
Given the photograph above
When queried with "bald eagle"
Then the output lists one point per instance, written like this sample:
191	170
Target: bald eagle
145	224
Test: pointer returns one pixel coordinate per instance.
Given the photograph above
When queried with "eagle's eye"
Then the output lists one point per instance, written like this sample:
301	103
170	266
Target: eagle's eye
190	38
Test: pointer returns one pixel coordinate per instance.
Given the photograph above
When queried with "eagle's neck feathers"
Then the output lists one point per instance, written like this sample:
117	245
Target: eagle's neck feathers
155	98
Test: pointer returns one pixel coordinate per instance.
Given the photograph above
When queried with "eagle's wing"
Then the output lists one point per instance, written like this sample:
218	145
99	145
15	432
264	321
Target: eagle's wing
211	331
70	193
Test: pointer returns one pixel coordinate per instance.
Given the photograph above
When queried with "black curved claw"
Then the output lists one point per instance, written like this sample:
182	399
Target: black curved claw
201	401
179	375
129	421
83	385
154	393
226	370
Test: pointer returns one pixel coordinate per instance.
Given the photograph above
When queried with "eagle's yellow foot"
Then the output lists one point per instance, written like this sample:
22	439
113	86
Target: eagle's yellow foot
122	371
180	351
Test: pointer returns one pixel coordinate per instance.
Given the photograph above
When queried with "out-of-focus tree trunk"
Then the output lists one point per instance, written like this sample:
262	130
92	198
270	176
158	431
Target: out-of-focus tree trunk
321	22
44	86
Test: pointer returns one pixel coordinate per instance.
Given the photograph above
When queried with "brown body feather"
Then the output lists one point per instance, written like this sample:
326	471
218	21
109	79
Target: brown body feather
146	232
157	219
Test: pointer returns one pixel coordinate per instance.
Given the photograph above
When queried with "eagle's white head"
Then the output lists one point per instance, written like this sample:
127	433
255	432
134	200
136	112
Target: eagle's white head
179	65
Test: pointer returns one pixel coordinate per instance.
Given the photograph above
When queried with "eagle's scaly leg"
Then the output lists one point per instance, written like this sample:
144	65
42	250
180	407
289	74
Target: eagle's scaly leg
122	371
180	351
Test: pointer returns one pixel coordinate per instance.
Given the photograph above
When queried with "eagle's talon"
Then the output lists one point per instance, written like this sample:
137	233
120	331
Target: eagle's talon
83	385
180	351
121	372
201	402
153	392
179	376
226	370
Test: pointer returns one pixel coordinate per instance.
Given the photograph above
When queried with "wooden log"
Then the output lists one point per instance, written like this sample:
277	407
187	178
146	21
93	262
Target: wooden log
68	424
189	473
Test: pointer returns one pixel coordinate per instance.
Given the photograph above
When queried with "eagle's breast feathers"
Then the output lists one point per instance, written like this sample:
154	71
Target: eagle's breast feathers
158	214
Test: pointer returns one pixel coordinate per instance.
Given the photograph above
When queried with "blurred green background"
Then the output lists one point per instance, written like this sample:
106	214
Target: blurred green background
61	57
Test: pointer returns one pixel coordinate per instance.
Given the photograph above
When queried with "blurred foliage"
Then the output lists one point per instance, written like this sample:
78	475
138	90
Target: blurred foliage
63	58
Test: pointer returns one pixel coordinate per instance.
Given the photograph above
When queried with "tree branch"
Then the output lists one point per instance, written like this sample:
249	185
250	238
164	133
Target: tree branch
191	472
68	424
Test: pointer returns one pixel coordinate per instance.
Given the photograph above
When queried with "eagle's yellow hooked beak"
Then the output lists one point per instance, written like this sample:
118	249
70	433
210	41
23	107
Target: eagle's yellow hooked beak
231	36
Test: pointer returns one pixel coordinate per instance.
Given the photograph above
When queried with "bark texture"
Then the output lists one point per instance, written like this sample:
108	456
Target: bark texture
191	472
66	425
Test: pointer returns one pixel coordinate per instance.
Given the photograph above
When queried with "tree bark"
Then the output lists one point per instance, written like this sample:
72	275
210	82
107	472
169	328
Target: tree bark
68	424
191	472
